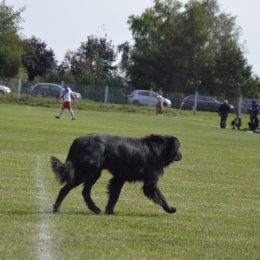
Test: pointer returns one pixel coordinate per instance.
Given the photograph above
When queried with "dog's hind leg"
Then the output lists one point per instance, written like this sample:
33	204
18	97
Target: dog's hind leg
114	188
62	194
87	191
152	191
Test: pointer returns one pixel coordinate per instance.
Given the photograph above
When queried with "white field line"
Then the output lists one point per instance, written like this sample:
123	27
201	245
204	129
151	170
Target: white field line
44	240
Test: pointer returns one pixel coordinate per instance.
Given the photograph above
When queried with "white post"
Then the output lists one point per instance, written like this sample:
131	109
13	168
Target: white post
150	99
239	105
19	88
61	91
106	94
195	102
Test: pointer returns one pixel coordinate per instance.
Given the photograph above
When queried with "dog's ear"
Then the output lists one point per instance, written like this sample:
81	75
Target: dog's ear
174	143
177	143
157	142
157	138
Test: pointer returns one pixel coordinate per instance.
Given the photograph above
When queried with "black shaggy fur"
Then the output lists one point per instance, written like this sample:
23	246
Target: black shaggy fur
127	159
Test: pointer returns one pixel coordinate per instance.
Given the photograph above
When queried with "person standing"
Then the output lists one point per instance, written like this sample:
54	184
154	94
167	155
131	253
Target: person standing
253	111
224	109
159	106
67	93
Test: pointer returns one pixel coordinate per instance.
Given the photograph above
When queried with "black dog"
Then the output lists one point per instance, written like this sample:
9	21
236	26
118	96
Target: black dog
127	159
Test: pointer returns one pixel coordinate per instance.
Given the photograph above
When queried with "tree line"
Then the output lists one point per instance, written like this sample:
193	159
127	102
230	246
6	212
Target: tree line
176	48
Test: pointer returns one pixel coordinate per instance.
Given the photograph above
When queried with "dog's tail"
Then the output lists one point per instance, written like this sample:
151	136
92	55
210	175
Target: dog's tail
64	172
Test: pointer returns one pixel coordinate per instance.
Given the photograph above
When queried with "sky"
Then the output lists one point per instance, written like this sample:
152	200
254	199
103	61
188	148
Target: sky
63	25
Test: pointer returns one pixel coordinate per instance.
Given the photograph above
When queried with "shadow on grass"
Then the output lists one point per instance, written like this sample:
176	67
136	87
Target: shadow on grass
86	213
43	213
257	131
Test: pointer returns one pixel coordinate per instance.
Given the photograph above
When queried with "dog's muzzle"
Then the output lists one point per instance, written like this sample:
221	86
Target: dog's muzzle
177	156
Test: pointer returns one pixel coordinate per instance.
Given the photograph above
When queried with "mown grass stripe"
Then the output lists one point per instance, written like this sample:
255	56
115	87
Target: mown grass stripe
44	243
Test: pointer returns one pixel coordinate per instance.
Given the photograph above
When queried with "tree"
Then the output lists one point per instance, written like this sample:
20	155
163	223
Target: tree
183	49
117	82
38	59
73	63
52	77
68	77
11	47
99	54
87	79
94	57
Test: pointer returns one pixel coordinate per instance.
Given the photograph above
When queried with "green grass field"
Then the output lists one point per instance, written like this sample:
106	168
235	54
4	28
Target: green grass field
215	188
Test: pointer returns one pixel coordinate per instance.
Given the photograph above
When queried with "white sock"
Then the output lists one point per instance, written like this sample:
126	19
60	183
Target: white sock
60	114
72	113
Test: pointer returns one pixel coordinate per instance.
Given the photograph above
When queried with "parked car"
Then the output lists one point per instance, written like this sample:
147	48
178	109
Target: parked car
204	103
142	97
49	90
4	89
246	104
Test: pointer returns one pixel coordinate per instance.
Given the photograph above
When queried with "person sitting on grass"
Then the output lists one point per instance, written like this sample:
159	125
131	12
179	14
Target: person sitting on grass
237	122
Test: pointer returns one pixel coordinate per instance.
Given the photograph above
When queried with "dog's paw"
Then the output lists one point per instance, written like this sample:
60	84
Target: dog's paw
110	212
173	210
96	210
56	209
169	209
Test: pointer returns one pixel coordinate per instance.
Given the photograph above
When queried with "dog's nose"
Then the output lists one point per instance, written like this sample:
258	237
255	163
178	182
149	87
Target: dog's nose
178	157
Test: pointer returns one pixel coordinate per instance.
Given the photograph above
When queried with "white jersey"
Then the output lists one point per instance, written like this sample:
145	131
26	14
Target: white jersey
67	92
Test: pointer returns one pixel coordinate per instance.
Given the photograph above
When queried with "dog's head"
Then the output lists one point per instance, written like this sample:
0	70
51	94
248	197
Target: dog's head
167	146
173	148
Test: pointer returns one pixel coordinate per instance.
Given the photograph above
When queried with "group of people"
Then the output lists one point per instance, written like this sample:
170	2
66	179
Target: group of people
67	93
224	109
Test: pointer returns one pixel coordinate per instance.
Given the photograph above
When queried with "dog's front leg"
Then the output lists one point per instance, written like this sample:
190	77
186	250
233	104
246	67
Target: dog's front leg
152	191
114	188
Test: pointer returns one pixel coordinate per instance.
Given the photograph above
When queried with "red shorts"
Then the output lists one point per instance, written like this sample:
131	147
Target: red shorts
67	105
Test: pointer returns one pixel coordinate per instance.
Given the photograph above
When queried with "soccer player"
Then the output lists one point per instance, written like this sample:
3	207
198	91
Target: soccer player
67	93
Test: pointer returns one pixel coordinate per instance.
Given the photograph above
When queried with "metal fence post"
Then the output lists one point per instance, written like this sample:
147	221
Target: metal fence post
150	99
19	88
61	91
106	94
239	105
195	102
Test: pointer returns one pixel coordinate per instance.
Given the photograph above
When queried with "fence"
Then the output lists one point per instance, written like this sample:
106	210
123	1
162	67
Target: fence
114	95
